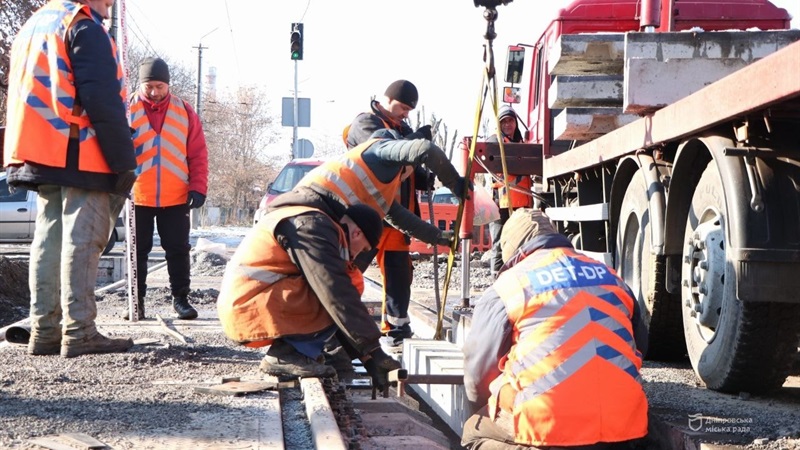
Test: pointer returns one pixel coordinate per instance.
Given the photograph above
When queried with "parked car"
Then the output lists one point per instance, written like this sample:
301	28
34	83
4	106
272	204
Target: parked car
18	217
287	179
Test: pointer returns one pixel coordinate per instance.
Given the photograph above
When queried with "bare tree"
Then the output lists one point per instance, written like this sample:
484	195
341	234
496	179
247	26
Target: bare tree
238	131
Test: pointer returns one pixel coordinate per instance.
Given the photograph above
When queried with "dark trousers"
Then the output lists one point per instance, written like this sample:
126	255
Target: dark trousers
481	433
397	276
496	230
173	229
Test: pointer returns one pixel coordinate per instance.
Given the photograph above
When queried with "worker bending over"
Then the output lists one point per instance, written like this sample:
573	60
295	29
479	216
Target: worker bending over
292	285
555	348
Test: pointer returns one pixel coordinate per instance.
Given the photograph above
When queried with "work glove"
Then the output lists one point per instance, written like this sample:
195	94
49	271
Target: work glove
461	186
125	182
446	238
379	366
425	132
195	199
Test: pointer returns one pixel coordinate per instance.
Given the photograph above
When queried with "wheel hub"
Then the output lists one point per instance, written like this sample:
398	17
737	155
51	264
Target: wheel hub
705	254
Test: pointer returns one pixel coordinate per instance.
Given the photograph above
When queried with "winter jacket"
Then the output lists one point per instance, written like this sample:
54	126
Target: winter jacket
173	159
312	244
90	153
265	295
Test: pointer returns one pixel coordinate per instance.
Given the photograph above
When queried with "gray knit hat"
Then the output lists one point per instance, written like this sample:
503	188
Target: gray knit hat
153	69
403	91
523	225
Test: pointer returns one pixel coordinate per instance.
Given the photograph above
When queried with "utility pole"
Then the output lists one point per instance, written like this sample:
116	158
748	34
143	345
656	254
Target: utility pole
200	49
194	215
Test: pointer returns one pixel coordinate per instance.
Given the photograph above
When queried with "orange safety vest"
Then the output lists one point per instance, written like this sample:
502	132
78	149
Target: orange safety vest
573	366
264	295
350	179
163	171
43	111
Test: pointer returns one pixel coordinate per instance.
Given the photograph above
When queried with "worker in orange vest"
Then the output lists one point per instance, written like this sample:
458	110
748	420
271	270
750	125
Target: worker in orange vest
393	251
554	353
518	184
67	137
292	285
173	178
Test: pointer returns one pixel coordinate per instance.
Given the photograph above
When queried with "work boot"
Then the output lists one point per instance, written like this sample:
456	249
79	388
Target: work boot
393	341
95	344
183	308
283	360
140	316
41	347
38	342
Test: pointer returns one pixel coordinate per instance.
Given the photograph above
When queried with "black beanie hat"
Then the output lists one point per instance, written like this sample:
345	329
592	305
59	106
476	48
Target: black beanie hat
403	91
153	69
368	220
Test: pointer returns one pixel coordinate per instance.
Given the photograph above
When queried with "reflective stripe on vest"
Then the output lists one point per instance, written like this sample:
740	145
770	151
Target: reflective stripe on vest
42	101
571	319
161	157
349	179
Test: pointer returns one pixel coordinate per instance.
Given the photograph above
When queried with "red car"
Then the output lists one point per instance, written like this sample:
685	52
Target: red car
286	180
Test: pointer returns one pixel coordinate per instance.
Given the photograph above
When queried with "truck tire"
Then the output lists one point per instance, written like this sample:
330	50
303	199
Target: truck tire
645	274
111	241
733	346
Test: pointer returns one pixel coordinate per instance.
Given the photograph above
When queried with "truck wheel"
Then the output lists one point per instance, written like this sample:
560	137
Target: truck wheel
733	346
111	241
645	273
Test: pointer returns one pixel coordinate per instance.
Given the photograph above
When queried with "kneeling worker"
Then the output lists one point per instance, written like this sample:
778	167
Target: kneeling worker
555	348
292	285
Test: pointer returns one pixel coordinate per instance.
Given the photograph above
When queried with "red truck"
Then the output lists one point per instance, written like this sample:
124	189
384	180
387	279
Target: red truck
666	136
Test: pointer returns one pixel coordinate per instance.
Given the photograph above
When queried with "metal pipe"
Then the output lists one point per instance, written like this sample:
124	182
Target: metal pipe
650	17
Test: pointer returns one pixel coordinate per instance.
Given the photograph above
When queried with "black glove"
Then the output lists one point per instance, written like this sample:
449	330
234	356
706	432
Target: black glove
461	186
195	199
124	183
379	366
446	238
425	132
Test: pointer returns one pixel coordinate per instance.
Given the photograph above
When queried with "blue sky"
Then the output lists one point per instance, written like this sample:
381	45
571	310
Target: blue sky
353	48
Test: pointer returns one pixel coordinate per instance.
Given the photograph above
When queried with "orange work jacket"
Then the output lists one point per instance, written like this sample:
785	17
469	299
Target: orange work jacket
43	114
351	180
264	295
573	366
163	170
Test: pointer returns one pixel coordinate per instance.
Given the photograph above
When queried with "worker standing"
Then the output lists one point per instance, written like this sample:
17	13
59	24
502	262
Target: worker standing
393	251
509	131
554	354
173	178
292	285
67	137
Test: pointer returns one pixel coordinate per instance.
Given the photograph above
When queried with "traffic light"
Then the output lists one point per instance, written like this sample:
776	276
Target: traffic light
297	41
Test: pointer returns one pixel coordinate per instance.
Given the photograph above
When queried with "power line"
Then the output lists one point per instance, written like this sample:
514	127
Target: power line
233	43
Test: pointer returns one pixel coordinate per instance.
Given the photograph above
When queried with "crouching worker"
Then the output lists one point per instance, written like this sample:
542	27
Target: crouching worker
551	360
292	285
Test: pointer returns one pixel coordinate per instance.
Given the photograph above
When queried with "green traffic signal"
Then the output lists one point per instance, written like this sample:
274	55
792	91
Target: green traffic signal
296	41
